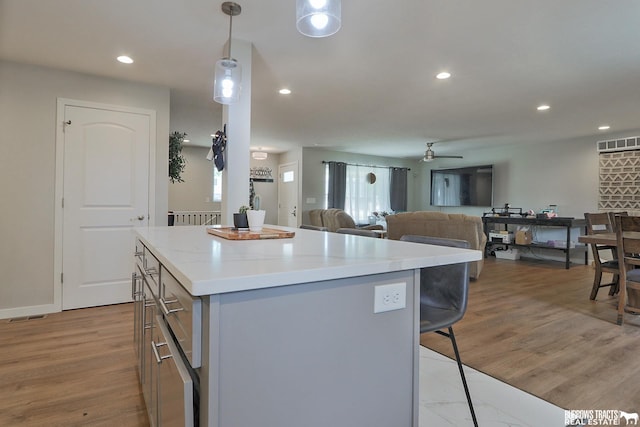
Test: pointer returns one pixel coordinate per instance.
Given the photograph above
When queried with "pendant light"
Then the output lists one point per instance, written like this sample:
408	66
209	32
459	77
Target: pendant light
318	18
228	77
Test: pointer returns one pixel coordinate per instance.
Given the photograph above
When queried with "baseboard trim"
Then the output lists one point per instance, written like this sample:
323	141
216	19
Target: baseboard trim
8	313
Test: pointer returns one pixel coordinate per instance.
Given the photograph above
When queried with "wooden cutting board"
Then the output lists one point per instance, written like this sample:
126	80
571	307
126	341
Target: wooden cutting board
232	233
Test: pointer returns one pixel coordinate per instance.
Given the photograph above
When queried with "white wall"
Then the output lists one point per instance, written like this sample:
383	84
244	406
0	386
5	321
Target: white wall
27	173
196	192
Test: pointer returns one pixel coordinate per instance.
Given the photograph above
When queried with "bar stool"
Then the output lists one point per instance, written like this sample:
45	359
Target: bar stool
443	299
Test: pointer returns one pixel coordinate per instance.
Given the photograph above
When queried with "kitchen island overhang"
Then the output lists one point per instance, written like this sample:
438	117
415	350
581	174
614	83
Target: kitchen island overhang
208	265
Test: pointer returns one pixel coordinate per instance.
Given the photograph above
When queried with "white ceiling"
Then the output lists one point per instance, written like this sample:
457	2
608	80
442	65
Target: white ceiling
370	88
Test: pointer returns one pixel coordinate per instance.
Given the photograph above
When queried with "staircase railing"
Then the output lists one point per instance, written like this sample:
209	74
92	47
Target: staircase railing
193	218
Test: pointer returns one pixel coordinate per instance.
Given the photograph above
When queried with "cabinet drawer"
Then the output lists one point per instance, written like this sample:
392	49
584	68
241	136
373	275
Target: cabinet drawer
184	315
173	383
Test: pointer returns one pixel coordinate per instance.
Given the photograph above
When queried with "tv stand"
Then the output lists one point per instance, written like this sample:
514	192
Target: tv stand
567	223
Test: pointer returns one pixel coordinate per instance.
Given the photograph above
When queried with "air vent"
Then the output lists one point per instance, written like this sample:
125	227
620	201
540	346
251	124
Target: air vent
25	318
621	144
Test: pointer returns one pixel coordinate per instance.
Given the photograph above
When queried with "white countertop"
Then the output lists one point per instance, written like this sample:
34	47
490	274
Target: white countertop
206	264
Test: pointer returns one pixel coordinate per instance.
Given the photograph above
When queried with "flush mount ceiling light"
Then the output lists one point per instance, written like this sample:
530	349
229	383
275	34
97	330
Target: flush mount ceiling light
543	107
284	92
443	75
259	155
604	127
124	59
318	18
228	79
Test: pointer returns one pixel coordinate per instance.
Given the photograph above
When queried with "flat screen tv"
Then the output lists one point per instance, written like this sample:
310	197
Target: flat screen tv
468	186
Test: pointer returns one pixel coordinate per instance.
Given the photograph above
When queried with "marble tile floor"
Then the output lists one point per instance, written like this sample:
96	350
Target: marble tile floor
443	403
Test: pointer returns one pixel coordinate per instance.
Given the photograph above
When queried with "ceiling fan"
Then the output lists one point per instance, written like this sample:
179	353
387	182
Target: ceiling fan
430	156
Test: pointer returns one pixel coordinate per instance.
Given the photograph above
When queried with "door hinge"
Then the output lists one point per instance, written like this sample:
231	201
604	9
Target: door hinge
61	277
63	203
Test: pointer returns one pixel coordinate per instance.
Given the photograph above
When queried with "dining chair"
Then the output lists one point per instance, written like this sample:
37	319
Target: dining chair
600	223
628	238
613	215
443	299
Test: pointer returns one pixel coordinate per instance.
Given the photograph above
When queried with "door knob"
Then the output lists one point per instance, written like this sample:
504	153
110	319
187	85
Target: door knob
140	217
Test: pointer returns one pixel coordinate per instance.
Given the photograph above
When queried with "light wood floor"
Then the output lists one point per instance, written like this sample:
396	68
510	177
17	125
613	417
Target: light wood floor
529	324
75	368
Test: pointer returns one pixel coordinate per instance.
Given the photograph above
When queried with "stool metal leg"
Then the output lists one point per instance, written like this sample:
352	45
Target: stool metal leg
452	337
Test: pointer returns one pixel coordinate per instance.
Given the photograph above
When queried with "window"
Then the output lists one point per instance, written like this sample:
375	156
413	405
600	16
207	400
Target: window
363	198
217	185
287	176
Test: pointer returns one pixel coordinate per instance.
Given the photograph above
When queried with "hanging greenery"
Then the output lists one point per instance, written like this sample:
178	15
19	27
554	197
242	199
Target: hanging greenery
177	162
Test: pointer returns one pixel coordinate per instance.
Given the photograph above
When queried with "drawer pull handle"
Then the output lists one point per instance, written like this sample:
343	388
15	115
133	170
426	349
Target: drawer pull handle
134	277
166	309
155	347
151	271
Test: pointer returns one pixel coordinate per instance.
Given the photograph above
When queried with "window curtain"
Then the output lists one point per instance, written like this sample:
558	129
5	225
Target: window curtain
363	198
337	184
398	189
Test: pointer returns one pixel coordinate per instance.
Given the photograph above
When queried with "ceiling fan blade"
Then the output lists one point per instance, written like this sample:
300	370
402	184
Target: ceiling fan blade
448	157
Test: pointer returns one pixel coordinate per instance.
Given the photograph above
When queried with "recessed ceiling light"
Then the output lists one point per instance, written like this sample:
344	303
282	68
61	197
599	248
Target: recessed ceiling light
443	75
124	59
604	127
284	92
543	107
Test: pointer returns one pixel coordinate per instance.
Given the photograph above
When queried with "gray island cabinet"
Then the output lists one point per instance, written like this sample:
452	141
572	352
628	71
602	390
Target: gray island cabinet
316	330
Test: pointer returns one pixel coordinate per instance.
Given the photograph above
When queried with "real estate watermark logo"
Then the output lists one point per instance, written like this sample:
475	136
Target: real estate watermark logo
599	417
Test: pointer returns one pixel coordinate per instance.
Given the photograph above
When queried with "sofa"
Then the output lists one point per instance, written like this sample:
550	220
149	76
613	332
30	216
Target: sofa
333	219
440	224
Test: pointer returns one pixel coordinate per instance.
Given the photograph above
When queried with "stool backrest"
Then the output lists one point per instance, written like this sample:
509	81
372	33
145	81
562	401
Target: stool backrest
444	286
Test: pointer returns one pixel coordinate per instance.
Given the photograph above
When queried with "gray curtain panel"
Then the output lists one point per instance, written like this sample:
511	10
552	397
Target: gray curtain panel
337	184
398	188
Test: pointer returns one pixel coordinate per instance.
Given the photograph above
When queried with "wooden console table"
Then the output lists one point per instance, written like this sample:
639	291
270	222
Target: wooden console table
567	223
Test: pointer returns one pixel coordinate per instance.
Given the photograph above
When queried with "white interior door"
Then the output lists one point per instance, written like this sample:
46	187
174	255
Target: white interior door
106	193
288	194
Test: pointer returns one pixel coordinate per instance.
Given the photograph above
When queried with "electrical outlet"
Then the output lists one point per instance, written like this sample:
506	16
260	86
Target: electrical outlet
390	297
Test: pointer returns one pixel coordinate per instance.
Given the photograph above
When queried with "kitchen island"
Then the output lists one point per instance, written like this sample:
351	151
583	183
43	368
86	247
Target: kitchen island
321	329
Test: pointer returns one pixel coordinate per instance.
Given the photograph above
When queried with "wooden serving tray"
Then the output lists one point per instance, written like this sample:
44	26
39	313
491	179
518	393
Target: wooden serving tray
232	233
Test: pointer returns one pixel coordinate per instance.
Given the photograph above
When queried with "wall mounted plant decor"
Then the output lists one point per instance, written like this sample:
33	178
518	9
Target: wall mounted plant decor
177	162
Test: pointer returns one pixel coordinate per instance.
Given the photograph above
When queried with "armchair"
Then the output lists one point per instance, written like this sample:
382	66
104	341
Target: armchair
333	219
338	218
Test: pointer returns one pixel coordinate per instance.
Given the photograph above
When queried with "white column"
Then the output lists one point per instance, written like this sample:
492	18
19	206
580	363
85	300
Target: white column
235	177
